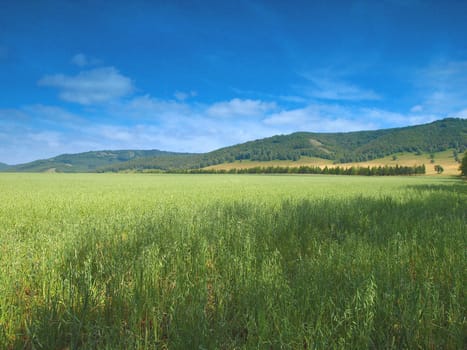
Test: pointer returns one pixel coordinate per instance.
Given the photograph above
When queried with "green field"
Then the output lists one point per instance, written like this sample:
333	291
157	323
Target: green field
141	261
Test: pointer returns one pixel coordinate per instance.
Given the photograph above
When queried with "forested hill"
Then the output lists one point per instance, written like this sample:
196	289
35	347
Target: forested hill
339	147
351	146
88	161
3	166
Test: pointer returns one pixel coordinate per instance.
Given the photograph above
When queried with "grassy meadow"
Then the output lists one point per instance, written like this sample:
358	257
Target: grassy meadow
146	261
445	158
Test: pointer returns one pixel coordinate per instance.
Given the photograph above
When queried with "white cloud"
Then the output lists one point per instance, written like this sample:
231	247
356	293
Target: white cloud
94	86
446	73
290	117
54	115
332	89
49	138
149	109
442	86
12	115
182	96
321	118
115	133
291	98
392	119
240	108
145	122
338	118
81	60
459	114
23	143
416	108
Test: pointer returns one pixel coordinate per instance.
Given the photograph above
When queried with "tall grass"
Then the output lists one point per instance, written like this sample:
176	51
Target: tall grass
231	262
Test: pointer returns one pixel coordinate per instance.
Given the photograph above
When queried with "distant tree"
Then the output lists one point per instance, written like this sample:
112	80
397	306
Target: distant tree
439	169
463	167
456	155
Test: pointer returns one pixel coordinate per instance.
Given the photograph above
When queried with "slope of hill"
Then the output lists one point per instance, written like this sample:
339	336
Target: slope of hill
348	147
449	160
362	146
160	163
352	146
3	166
88	161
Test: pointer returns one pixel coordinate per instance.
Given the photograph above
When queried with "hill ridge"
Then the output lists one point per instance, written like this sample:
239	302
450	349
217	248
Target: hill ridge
339	147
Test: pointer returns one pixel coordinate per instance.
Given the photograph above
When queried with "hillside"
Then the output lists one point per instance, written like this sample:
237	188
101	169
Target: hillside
3	166
361	146
88	161
446	159
297	148
352	146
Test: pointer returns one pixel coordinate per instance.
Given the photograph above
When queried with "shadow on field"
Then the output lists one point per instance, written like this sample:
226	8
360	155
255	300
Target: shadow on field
238	274
454	186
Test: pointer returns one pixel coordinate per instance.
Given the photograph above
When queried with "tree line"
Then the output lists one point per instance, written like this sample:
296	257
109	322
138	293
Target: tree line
305	169
463	166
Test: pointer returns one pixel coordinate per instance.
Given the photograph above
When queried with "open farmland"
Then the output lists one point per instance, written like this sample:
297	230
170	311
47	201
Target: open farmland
228	261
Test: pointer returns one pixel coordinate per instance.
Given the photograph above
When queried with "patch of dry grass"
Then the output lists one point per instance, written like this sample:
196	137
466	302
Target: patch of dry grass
445	159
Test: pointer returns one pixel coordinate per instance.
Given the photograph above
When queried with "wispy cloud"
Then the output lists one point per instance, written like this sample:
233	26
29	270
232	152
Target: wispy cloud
293	98
82	60
149	109
182	96
416	109
53	115
116	133
338	118
382	117
442	86
240	108
252	94
459	114
339	90
94	86
320	118
106	120
145	122
12	115
50	138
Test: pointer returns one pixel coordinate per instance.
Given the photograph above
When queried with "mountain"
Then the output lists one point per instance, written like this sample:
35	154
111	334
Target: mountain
88	161
3	166
338	147
352	146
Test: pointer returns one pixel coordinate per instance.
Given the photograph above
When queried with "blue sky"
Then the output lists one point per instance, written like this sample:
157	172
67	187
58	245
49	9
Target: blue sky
194	76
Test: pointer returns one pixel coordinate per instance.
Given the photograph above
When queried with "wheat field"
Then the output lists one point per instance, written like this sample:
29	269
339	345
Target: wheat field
145	261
